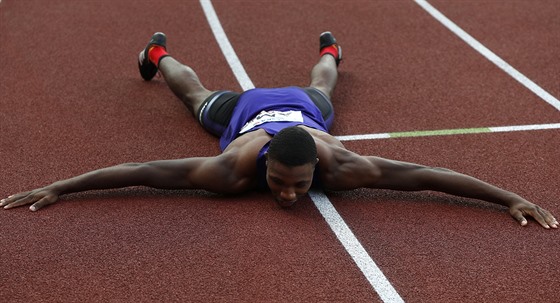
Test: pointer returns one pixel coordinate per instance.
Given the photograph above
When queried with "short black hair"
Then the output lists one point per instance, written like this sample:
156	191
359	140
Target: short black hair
293	146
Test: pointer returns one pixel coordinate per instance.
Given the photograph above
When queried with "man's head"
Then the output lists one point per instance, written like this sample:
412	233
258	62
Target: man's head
291	160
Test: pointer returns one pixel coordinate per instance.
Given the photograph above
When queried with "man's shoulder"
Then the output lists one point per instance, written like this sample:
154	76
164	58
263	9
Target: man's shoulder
254	140
240	160
335	158
244	151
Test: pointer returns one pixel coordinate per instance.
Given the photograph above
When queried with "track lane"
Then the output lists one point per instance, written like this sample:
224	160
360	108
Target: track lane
525	36
437	290
136	244
437	248
402	70
31	166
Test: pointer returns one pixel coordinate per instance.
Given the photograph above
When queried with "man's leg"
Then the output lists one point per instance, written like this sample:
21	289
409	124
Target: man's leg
325	73
181	79
184	83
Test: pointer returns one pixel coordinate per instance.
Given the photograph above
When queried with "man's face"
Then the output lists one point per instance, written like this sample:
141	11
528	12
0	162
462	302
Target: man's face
288	183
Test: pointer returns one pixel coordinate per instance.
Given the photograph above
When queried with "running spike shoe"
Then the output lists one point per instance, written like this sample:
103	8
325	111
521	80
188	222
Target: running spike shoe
147	69
327	39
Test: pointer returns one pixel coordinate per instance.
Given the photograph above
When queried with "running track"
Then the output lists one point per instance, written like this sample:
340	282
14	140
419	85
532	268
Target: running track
71	101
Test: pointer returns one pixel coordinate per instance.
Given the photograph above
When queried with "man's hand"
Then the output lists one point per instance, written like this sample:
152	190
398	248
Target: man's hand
521	208
38	198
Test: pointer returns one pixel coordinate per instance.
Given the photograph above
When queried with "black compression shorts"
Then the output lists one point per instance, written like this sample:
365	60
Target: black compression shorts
215	112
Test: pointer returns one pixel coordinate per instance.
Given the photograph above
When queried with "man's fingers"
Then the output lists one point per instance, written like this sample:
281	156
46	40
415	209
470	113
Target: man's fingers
19	200
541	220
545	218
12	198
554	222
3	202
519	217
43	202
38	199
542	216
548	218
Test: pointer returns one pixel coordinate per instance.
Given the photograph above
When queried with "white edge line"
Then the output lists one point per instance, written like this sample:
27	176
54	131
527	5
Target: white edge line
376	278
489	54
515	128
371	271
225	46
495	129
364	137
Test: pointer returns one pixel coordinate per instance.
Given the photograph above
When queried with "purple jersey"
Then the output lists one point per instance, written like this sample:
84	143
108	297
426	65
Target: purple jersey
283	107
271	109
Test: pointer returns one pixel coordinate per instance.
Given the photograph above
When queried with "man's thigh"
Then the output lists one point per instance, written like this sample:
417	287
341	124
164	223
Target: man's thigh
215	112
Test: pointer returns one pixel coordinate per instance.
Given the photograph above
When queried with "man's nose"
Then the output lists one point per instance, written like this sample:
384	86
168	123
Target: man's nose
288	194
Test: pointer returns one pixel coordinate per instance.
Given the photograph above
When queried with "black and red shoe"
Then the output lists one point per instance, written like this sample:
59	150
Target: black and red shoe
147	69
326	40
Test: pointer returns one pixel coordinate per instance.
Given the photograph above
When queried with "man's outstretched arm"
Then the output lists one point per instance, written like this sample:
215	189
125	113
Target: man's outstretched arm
213	173
412	177
347	170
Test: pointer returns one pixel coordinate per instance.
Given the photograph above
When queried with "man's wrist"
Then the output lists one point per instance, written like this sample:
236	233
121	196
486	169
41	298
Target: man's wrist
510	199
59	187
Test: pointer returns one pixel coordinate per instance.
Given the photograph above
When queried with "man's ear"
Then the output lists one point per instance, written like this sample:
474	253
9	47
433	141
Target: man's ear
317	161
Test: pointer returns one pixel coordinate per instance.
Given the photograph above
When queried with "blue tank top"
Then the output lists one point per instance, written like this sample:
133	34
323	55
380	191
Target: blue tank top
288	103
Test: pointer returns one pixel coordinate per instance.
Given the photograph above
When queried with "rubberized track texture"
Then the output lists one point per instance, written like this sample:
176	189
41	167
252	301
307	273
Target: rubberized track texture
71	101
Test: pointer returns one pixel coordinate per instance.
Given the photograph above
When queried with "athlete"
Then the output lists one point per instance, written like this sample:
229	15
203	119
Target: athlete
275	139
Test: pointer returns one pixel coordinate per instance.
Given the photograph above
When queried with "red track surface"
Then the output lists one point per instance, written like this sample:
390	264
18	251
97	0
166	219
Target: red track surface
71	101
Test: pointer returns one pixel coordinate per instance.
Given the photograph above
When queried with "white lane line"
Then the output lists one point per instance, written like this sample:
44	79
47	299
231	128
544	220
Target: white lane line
516	128
225	46
447	132
490	55
376	278
372	272
364	137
